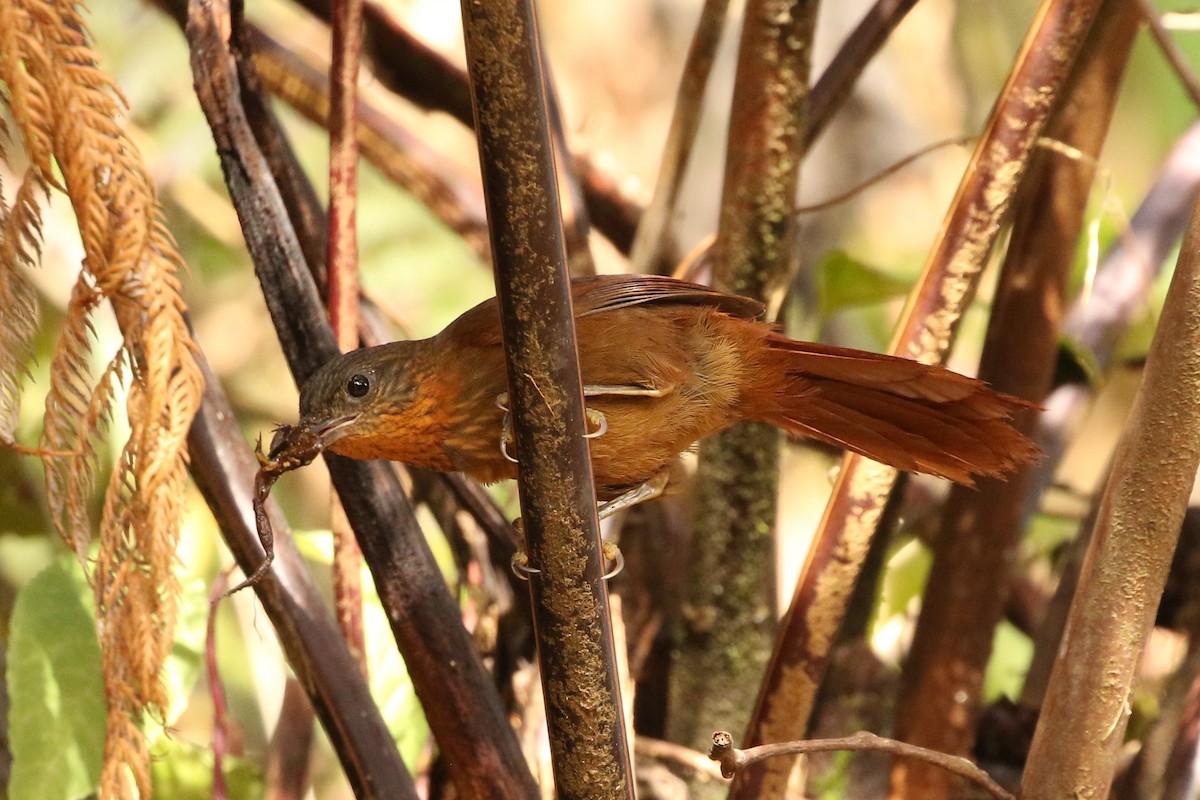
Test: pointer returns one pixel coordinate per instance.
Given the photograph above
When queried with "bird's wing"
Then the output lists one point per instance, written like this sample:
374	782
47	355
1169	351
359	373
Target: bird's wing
610	292
595	295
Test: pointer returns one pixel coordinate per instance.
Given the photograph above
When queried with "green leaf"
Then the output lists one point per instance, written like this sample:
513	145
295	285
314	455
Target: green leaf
390	683
1011	653
844	282
57	715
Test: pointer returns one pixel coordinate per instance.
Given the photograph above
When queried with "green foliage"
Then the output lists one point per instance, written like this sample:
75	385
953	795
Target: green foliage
844	282
390	684
183	771
1011	653
57	712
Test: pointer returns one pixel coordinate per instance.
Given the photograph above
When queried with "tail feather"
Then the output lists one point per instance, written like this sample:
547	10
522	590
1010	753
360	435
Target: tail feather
910	415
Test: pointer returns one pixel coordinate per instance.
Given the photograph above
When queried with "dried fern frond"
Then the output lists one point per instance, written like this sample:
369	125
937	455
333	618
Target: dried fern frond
20	248
68	112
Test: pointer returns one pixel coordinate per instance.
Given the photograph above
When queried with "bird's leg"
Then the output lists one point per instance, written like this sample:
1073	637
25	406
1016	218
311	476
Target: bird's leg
594	417
597	418
639	494
647	491
626	390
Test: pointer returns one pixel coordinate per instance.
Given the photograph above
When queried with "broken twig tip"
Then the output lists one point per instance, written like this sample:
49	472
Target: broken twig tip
723	752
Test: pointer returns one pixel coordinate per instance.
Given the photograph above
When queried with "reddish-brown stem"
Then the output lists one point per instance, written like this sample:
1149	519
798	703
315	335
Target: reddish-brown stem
216	691
342	298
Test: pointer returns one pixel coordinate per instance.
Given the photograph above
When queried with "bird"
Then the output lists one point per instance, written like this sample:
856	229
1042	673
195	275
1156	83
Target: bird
664	363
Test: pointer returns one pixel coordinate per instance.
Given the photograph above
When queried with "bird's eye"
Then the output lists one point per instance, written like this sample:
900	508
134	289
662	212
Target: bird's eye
358	385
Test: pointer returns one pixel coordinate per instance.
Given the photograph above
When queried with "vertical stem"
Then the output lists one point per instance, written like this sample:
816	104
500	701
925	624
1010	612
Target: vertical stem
343	282
570	599
1082	723
729	595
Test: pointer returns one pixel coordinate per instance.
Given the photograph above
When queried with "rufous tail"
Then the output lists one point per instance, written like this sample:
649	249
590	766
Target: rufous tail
910	415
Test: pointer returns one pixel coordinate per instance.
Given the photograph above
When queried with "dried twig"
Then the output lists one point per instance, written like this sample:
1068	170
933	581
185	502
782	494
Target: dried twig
733	761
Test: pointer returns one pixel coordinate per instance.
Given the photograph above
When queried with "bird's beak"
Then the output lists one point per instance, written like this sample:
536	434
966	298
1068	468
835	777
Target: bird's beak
329	430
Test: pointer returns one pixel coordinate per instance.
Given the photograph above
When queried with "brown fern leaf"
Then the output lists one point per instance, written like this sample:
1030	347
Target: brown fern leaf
20	248
68	112
26	99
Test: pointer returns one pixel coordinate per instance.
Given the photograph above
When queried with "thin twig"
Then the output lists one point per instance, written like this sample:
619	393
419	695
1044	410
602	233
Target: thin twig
686	757
651	245
1170	50
216	690
733	760
884	173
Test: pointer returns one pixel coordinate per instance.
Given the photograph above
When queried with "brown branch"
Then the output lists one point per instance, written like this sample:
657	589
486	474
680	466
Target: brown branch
461	704
836	83
570	599
946	287
734	761
1082	722
982	526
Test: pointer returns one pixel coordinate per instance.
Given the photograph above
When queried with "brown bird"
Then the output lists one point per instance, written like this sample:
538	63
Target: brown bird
664	364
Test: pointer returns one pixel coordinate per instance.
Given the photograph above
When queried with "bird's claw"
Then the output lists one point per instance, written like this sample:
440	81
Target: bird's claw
506	432
520	565
594	419
612	554
598	419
